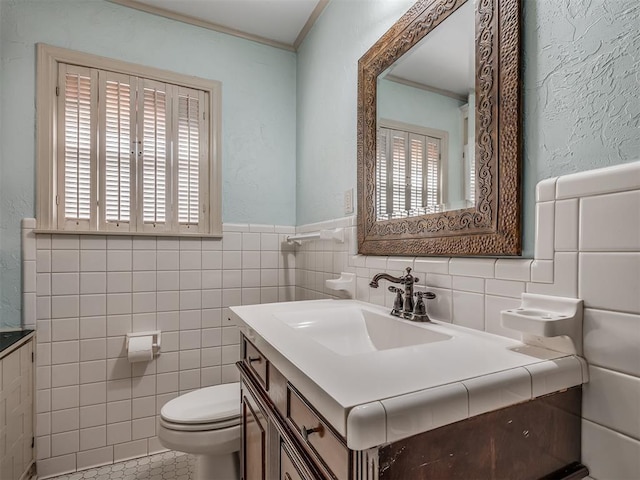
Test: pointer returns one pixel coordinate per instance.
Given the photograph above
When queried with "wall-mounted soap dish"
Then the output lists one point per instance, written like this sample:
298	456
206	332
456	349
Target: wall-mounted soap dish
346	283
546	321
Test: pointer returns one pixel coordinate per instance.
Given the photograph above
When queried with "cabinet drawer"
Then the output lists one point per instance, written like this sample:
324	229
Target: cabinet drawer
257	363
316	434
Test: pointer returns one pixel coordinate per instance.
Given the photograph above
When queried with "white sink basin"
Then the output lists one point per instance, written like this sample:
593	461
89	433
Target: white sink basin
351	330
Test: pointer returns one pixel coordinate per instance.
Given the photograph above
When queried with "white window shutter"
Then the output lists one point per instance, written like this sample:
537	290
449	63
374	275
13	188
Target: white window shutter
416	160
117	152
77	107
154	155
399	173
471	175
189	158
207	186
433	174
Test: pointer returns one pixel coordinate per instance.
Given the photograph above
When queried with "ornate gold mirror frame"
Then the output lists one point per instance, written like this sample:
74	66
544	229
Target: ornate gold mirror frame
493	226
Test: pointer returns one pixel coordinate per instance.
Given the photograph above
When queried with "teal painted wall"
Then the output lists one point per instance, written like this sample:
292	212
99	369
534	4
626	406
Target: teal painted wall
327	101
581	107
1	214
289	124
258	101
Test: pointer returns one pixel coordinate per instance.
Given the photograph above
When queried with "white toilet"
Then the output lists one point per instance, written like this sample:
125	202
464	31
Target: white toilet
205	423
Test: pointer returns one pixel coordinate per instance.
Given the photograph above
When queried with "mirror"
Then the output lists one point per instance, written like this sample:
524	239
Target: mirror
439	132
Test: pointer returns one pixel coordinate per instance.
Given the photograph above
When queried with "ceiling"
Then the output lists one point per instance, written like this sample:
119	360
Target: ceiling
282	23
445	59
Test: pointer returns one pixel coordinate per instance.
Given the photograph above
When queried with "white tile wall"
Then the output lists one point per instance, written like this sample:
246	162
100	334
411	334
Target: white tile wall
611	340
610	280
582	250
619	410
606	222
93	406
608	454
587	246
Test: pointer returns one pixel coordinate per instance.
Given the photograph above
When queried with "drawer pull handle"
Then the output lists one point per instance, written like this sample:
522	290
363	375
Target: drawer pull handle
255	359
305	432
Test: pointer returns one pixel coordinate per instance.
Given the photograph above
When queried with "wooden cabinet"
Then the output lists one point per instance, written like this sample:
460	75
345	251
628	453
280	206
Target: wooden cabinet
16	410
284	437
257	363
270	448
327	448
254	440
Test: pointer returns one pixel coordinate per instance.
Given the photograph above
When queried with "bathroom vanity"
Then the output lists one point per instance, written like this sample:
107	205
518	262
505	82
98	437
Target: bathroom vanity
16	404
341	390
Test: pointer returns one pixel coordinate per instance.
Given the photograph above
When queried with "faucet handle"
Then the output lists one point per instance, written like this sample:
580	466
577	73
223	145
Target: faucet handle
398	303
427	295
420	310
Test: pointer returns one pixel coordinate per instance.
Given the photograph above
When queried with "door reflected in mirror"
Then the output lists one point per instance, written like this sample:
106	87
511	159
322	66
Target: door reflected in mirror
425	149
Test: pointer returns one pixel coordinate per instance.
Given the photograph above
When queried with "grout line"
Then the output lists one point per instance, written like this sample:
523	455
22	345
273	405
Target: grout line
626	435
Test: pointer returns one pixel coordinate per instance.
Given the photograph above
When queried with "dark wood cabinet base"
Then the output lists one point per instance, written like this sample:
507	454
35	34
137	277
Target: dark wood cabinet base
284	437
533	440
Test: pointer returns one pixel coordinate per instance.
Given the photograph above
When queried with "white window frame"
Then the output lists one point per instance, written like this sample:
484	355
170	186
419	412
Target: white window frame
469	157
47	118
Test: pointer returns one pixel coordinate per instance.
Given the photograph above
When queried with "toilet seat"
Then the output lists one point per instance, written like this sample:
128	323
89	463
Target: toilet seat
210	408
200	427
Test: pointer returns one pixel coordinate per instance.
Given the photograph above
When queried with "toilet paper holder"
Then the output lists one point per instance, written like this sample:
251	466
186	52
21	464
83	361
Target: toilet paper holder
155	344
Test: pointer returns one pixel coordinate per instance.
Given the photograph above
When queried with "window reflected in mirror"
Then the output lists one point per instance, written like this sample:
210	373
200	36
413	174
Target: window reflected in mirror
408	166
425	156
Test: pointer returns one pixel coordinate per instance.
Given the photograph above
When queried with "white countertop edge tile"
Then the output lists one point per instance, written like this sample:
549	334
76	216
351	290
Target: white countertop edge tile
498	390
367	426
419	412
555	375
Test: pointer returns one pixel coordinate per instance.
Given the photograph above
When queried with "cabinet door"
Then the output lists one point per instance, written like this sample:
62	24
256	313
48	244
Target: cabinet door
254	440
16	412
288	470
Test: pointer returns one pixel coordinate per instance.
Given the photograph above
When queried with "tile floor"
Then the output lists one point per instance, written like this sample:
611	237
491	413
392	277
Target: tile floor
163	466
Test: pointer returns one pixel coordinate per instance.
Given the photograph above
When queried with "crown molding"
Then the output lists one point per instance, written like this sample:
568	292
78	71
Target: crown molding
210	25
310	23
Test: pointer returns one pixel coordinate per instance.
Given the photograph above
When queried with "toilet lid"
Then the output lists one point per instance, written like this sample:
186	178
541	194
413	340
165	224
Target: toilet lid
206	405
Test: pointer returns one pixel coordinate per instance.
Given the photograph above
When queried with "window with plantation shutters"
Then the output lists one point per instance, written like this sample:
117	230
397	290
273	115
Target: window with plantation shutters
134	154
408	174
